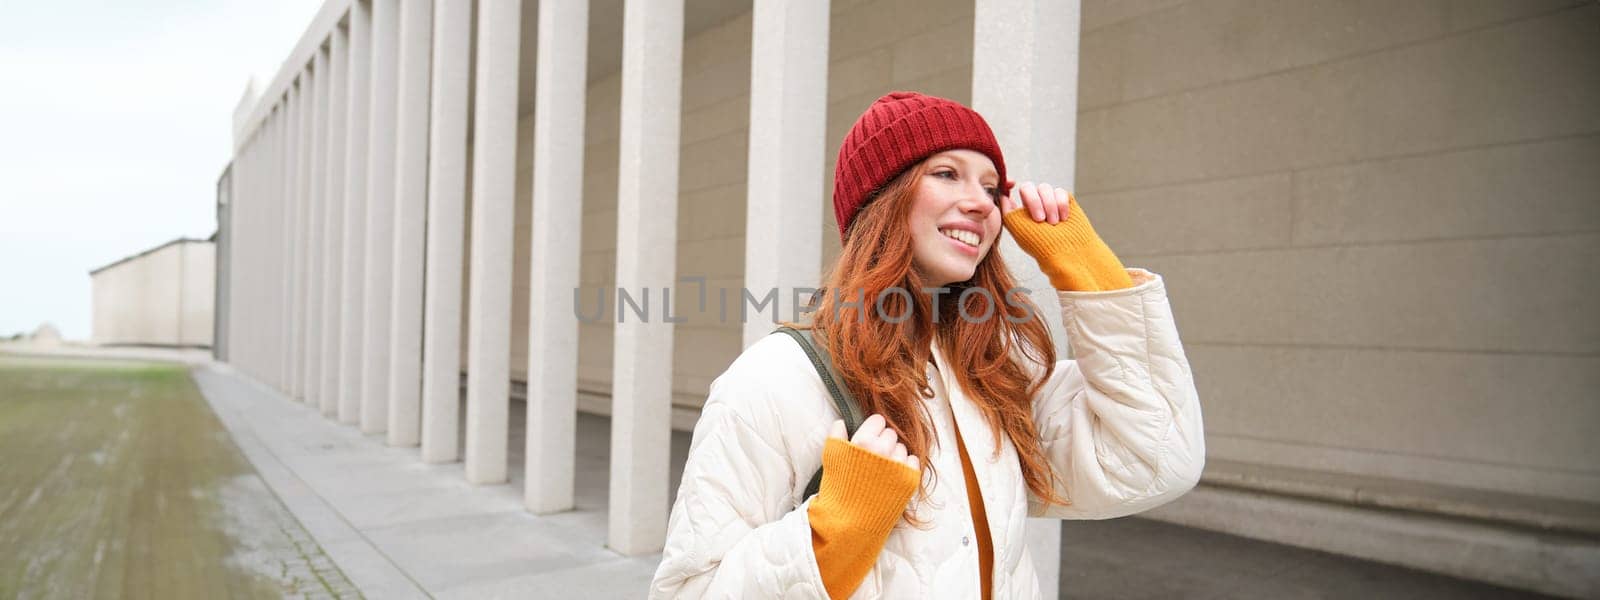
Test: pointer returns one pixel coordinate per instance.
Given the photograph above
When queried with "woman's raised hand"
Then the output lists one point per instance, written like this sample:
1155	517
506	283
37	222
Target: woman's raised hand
1056	233
1045	203
877	437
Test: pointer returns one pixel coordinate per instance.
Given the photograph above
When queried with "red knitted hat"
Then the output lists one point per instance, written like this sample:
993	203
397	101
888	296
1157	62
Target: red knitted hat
897	131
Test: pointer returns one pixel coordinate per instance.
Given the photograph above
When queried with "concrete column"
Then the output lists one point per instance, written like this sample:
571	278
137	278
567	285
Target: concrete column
276	363
316	221
291	247
1025	84
266	318
352	305
266	301
447	188
380	216
647	242
246	178
494	175
333	211
788	119
225	347
410	225
243	212
247	222
243	177
254	299
274	260
301	235
558	121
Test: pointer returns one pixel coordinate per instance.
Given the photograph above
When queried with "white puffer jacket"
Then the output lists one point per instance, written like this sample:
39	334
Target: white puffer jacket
1120	424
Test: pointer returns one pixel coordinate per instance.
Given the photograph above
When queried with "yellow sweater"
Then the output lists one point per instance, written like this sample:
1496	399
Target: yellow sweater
863	494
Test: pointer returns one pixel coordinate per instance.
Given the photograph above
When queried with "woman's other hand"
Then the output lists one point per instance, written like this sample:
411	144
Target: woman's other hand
866	485
877	437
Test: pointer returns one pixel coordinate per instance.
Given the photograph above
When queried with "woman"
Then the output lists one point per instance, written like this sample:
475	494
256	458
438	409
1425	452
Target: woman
974	424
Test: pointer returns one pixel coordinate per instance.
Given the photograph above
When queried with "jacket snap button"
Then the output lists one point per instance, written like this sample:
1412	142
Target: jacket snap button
965	540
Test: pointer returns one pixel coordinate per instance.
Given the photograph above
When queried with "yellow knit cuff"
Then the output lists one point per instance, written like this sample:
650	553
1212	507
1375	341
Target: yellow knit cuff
1070	252
861	498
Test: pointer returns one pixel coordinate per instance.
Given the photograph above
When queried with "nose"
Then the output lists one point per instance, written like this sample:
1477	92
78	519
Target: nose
976	201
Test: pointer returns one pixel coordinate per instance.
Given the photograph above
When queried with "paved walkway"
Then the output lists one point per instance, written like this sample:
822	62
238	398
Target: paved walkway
402	529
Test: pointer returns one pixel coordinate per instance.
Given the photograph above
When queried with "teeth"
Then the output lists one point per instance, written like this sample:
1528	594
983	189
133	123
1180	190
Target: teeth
967	237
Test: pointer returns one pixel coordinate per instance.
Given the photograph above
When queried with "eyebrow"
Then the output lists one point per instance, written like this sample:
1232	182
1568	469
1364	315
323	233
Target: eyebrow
957	162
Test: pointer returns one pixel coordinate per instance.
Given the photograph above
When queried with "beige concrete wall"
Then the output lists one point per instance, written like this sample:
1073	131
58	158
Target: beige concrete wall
136	299
104	296
164	297
198	294
1378	222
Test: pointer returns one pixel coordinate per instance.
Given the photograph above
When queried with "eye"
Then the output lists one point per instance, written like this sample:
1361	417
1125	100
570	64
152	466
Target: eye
945	173
993	192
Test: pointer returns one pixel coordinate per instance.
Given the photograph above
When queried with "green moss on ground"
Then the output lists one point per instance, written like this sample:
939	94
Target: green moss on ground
113	482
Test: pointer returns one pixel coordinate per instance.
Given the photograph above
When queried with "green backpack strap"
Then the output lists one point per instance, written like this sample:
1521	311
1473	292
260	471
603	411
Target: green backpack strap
849	410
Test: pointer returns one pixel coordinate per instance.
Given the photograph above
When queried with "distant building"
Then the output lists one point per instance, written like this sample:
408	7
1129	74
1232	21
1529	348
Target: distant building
158	297
46	335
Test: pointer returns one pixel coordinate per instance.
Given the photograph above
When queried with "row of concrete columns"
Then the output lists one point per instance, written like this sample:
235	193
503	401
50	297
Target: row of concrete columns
351	183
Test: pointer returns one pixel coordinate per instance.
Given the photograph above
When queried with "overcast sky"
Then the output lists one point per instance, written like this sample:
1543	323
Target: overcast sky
115	122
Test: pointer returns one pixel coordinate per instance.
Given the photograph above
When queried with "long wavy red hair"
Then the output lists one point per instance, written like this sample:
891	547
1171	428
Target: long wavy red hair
883	360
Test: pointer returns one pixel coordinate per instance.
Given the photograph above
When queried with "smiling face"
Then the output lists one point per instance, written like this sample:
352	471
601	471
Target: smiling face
955	215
